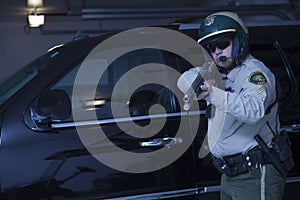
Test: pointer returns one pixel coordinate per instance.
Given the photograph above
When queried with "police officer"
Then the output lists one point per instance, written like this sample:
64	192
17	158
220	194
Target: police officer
249	102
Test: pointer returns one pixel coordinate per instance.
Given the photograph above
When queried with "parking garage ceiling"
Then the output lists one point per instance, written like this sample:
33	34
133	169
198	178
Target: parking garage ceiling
63	16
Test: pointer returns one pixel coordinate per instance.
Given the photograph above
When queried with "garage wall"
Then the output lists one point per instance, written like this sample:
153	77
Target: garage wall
19	47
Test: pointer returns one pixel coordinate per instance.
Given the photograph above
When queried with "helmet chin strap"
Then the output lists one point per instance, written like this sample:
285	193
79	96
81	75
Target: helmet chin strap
235	48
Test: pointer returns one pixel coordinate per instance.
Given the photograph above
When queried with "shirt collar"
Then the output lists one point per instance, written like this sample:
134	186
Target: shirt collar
232	73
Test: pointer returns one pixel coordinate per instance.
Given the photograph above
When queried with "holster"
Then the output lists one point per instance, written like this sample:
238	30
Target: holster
281	146
280	154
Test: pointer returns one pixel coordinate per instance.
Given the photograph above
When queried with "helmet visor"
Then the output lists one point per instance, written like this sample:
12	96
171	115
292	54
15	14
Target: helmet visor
220	44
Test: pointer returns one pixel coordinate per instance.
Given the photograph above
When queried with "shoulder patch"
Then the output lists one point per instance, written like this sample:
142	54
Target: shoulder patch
257	78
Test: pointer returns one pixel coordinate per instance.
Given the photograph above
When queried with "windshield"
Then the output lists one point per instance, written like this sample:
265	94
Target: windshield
9	87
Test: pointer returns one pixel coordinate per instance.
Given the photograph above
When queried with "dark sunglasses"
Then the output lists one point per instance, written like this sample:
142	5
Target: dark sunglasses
222	44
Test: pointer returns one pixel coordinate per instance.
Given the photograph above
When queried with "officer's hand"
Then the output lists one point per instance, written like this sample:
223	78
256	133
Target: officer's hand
206	88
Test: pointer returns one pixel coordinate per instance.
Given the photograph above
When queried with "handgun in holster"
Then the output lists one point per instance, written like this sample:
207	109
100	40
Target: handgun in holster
280	153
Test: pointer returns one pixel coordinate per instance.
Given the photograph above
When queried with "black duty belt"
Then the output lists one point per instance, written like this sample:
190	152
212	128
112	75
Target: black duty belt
236	164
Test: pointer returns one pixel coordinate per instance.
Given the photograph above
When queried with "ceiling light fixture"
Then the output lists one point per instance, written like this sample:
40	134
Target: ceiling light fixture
35	20
34	3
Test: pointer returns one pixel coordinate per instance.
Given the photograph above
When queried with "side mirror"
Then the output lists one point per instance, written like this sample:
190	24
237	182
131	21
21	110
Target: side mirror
52	106
55	104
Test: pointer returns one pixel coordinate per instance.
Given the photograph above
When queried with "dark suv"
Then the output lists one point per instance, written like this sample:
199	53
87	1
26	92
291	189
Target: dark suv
44	157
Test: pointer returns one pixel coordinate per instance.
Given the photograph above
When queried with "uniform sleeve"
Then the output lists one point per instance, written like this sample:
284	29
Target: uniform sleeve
247	105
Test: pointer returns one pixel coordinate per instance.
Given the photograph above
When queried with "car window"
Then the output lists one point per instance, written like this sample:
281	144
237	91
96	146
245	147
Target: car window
269	55
283	60
138	103
290	113
12	85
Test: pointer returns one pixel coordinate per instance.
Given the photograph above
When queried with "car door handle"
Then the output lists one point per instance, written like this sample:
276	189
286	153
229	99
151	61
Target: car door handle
294	128
161	142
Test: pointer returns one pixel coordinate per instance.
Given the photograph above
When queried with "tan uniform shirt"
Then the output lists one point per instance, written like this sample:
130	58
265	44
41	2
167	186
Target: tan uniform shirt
250	90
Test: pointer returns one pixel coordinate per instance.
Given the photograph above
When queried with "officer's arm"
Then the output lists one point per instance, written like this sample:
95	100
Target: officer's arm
248	106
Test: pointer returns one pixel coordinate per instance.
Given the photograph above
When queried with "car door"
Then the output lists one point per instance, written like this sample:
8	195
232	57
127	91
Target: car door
292	126
69	167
